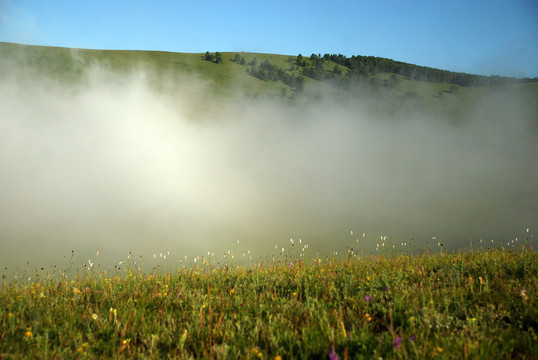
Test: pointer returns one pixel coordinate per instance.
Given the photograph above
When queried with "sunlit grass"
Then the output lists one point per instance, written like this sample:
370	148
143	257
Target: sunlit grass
473	304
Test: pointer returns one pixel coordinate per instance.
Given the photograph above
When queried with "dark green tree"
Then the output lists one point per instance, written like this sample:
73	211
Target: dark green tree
299	61
218	57
208	56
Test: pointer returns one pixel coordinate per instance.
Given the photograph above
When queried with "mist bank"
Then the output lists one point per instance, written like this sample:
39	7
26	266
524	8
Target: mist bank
112	164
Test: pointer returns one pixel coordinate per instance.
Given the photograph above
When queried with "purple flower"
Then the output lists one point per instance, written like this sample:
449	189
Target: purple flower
332	355
412	338
387	288
367	298
397	342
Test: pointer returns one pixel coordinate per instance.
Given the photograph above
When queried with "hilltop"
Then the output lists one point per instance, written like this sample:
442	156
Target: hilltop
384	84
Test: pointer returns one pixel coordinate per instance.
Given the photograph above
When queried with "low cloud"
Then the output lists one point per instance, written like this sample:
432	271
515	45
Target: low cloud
112	164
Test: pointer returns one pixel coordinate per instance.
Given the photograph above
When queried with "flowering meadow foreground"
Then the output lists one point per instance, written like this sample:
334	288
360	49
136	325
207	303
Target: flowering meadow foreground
472	304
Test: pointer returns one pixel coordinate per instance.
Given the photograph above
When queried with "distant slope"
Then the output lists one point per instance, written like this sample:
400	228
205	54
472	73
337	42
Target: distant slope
385	84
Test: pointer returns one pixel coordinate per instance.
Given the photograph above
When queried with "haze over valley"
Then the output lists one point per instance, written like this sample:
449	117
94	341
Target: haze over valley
163	158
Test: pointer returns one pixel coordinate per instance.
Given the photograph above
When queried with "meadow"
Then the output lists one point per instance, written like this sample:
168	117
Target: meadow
139	149
478	303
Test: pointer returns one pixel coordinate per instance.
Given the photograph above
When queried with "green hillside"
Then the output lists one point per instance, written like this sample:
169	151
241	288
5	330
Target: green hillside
383	84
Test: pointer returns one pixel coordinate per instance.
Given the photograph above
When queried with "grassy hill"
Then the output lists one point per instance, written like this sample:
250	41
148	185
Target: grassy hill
236	75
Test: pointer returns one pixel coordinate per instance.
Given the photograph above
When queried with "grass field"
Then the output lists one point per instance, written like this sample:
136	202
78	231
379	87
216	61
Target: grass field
474	304
466	305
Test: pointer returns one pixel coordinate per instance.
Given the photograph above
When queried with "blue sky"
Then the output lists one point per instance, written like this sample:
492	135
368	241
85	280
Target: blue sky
482	37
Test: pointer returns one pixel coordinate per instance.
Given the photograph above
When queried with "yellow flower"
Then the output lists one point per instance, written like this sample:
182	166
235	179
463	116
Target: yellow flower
28	334
83	348
367	317
278	357
439	349
95	317
256	352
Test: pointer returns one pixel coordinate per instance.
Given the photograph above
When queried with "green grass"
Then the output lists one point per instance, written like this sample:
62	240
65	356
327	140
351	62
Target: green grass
473	304
70	64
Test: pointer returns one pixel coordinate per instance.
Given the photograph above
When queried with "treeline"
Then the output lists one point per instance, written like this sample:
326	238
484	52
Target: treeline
353	73
371	65
267	71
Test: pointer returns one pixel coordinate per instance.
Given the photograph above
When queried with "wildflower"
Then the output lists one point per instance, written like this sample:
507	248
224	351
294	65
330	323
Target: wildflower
278	357
256	352
333	355
83	348
439	349
367	298
397	342
95	317
115	313
524	294
28	334
412	338
367	317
